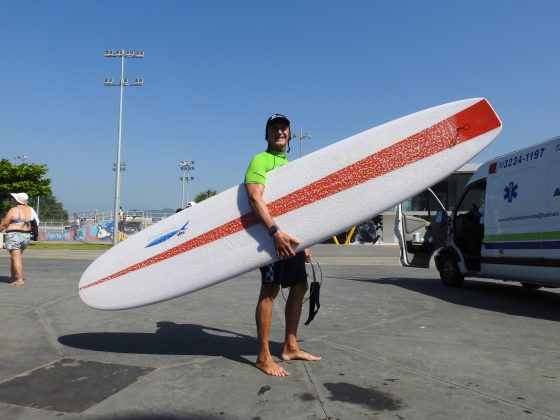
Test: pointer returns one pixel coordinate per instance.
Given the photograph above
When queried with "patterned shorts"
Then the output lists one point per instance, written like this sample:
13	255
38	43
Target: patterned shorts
17	240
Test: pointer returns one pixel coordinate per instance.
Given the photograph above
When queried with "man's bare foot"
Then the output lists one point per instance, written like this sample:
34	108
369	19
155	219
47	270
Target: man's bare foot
270	367
16	283
299	355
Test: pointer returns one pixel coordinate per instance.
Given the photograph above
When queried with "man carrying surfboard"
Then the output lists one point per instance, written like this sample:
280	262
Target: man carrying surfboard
289	270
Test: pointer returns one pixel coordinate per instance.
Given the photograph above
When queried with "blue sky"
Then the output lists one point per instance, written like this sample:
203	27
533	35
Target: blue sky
214	71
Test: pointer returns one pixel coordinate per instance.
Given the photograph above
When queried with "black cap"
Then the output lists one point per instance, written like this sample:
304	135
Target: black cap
272	119
277	117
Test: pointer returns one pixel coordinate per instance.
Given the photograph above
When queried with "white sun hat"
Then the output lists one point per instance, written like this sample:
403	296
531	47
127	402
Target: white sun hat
21	198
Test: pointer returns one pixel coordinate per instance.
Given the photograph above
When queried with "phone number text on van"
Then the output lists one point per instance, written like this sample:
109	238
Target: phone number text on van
516	160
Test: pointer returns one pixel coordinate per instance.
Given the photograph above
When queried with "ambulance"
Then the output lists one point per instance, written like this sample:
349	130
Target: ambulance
505	225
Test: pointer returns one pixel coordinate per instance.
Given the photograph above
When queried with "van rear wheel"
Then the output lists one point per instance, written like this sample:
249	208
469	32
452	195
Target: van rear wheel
449	271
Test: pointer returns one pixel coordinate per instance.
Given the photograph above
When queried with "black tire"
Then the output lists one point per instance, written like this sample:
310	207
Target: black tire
449	271
531	286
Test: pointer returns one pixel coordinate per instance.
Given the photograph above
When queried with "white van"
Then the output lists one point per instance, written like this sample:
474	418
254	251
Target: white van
506	224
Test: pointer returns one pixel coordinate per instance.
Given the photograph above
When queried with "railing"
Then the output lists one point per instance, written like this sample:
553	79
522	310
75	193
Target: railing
156	217
133	216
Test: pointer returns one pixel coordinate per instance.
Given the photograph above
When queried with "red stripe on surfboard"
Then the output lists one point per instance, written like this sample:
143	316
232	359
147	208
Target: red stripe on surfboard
461	127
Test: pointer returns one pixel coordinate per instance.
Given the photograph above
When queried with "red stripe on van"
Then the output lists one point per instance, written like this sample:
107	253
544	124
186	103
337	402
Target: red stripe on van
461	127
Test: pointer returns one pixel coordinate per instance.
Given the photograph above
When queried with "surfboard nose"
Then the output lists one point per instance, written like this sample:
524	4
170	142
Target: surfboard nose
95	299
85	297
98	300
90	299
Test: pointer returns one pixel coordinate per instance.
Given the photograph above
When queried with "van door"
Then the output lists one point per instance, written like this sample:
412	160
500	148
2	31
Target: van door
468	223
421	228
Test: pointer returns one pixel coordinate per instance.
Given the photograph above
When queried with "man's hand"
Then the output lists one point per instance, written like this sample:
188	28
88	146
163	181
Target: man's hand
307	253
283	243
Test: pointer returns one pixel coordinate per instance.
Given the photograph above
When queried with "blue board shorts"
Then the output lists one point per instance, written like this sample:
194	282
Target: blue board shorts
17	240
285	272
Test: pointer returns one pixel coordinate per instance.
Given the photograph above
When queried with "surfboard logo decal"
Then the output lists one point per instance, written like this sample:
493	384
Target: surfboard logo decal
168	236
461	127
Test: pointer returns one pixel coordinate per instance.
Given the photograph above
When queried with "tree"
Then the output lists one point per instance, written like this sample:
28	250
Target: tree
27	178
49	208
204	195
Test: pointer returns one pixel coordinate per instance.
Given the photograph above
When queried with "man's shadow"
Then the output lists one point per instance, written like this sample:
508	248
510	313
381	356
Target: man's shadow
173	339
5	279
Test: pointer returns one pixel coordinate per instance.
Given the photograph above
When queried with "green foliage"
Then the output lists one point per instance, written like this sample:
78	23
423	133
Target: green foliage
49	208
204	195
27	178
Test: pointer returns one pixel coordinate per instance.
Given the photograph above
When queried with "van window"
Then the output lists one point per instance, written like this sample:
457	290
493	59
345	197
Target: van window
473	198
447	191
423	202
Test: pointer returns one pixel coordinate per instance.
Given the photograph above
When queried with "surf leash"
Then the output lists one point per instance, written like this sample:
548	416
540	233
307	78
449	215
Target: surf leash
314	291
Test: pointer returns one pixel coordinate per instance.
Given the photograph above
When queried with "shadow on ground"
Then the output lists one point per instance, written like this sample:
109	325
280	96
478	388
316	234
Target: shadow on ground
172	339
5	279
511	299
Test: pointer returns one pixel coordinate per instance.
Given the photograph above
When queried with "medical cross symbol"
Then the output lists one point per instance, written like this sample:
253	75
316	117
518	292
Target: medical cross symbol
510	192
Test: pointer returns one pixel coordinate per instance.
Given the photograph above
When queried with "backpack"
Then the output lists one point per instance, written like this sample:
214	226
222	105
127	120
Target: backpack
34	230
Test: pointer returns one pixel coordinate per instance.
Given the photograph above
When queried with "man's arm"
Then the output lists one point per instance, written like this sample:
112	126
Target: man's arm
282	240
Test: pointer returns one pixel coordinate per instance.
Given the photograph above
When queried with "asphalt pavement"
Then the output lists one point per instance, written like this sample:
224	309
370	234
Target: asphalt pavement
396	344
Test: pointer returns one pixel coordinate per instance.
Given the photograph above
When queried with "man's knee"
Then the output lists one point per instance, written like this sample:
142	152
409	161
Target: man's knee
269	290
300	288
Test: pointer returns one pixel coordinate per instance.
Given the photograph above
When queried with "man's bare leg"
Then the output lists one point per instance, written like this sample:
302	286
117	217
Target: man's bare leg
263	316
291	349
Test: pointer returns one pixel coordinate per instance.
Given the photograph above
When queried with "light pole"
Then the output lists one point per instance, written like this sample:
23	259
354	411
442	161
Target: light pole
186	166
302	137
122	54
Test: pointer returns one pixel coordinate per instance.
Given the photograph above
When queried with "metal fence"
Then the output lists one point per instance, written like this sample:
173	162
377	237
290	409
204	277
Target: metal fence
142	219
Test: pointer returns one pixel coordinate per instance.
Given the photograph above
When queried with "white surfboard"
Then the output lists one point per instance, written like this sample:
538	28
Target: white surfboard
311	198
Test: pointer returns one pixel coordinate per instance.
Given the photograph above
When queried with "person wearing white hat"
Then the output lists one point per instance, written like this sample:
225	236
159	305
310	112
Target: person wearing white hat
17	224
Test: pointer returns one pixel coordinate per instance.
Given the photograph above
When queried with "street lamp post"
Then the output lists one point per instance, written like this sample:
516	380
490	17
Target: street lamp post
122	54
186	166
302	137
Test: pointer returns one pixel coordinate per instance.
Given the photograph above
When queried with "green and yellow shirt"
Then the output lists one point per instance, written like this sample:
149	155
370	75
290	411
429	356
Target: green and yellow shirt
261	164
